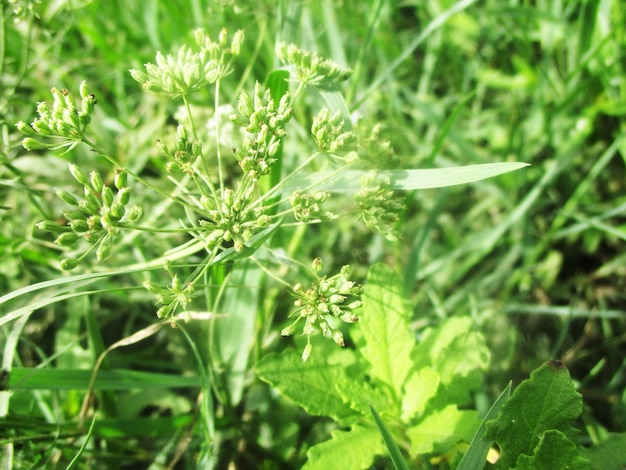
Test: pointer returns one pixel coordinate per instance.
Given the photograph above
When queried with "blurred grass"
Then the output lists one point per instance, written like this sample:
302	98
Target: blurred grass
535	256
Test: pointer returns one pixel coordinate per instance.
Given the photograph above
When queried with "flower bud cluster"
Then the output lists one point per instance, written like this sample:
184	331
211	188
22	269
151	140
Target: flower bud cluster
184	154
61	119
97	217
264	122
234	221
329	134
329	297
172	296
190	71
379	206
311	69
375	150
306	207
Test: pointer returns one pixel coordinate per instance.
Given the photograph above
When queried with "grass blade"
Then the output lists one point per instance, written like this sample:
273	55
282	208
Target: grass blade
392	447
476	454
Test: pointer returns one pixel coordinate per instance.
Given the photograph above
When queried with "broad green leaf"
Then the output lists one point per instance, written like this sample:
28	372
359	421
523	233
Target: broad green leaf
420	387
554	451
352	449
394	451
385	327
350	180
442	429
609	454
361	394
476	454
458	354
310	384
546	401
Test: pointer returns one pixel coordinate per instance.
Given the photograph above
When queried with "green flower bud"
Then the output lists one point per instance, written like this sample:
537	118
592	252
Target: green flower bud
349	317
107	196
307	352
25	129
117	210
318	265
104	249
78	174
338	338
150	287
50	226
67	197
123	196
288	331
135	214
97	182
84	91
79	226
88	207
94	222
235	46
68	264
75	214
32	144
66	239
121	178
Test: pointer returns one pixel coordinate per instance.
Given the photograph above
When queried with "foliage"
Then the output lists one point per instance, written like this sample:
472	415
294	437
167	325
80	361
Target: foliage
179	170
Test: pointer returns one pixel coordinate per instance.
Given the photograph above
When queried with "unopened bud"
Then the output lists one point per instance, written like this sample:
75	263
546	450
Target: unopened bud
67	197
68	264
307	352
96	181
66	239
78	174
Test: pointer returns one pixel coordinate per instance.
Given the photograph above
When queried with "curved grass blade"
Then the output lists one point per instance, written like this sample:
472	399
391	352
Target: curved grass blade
394	452
476	454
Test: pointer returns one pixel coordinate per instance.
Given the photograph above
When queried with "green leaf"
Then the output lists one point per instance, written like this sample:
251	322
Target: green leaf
361	394
234	333
385	328
78	379
390	443
310	384
442	429
421	386
554	451
350	180
356	448
546	401
609	454
476	455
458	354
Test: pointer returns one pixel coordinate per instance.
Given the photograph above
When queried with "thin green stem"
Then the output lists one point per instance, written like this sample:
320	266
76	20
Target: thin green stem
217	136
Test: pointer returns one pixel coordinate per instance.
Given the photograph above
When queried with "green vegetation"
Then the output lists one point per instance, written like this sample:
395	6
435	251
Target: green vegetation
313	234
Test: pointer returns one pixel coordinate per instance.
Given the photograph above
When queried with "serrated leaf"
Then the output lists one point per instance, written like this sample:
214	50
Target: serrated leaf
459	355
546	401
442	429
352	449
310	384
385	327
360	394
421	386
554	451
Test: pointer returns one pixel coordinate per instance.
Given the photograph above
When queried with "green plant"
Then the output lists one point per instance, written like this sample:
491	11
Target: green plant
147	215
